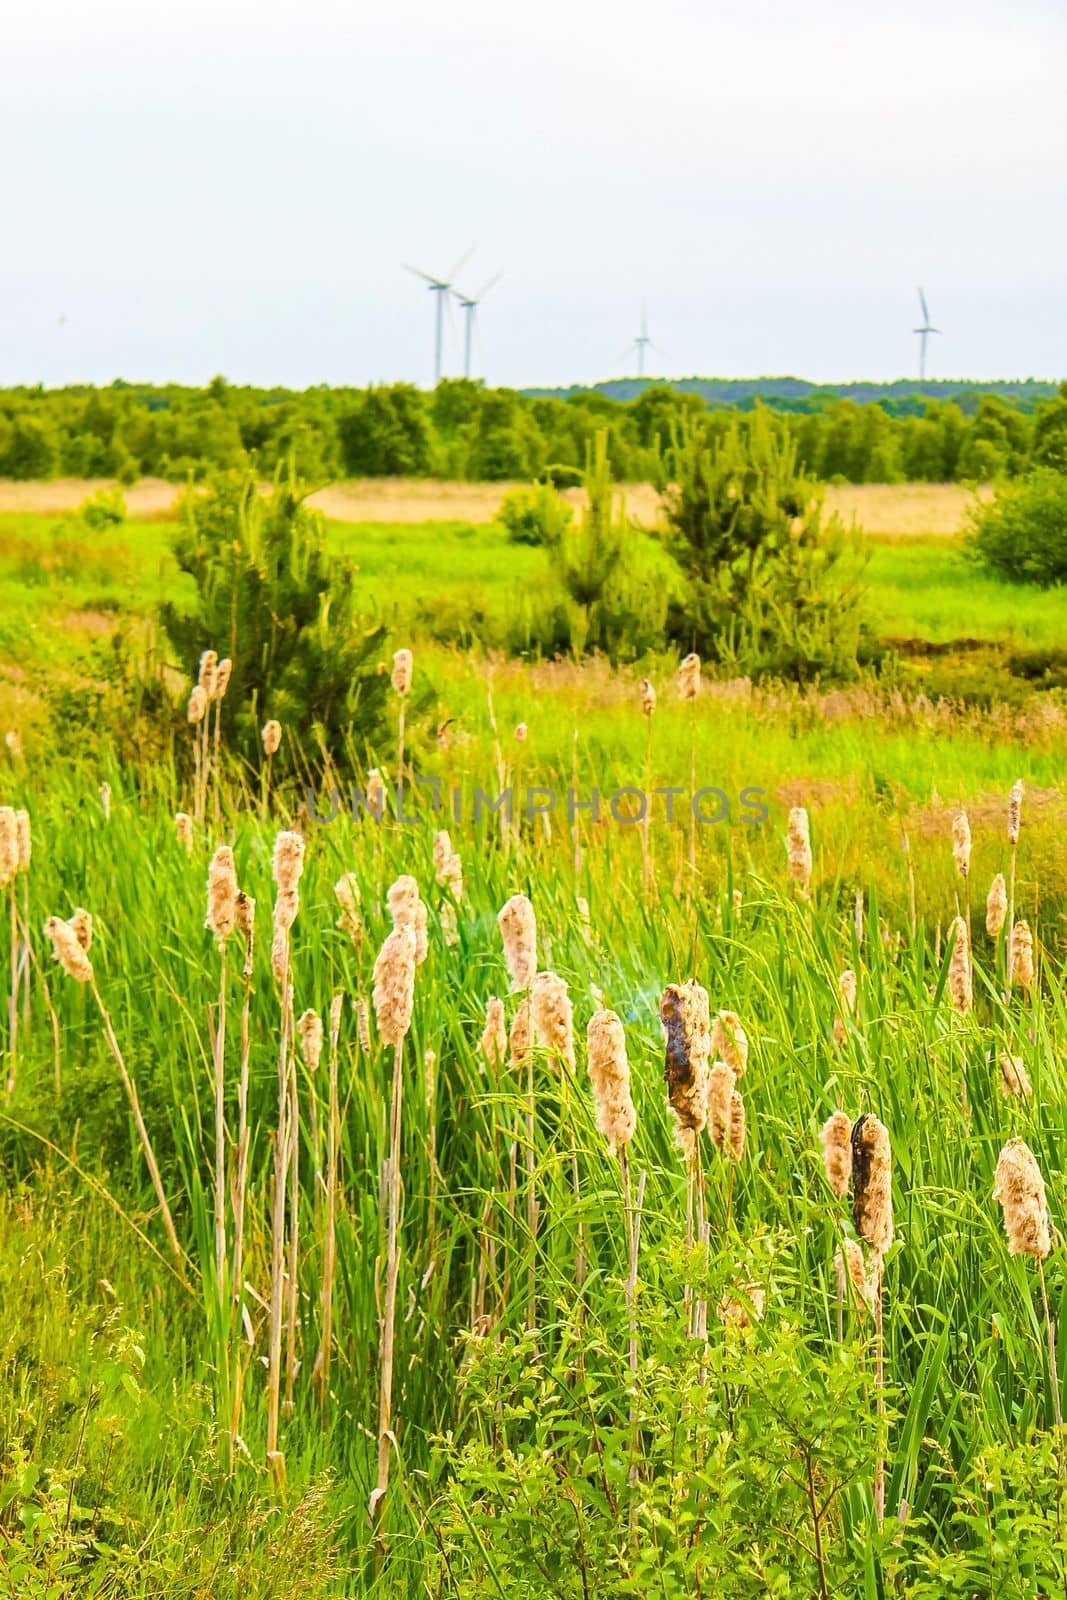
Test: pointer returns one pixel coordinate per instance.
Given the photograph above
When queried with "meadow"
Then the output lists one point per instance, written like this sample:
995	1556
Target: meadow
449	1292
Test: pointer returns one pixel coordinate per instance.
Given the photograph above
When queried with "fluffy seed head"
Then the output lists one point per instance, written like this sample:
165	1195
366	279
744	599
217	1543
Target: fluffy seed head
687	678
222	677
520	1039
286	906
271	736
553	1017
22	839
448	869
183	827
1015	811
221	894
493	1045
68	951
310	1030
376	792
1014	1078
735	1131
720	1093
1022	956
872	1183
729	1042
246	927
850	1264
408	910
402	665
648	697
961	843
349	920
9	846
609	1073
363	1025
288	862
197	704
208	673
996	906
837	1152
960	978
81	924
518	930
1020	1188
279	951
686	1019
799	839
336	1007
394	984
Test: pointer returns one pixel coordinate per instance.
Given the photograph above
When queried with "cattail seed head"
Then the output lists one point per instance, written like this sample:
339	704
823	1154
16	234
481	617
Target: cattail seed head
961	843
799	839
996	906
729	1042
735	1131
850	1265
402	665
872	1183
68	951
518	930
553	1017
286	906
183	828
493	1045
394	984
222	677
310	1029
23	843
648	697
376	792
221	894
81	925
837	1152
1022	956
197	704
1015	811
1014	1078
960	978
720	1094
448	869
207	673
349	920
279	951
407	909
9	845
363	1025
520	1038
686	1019
288	860
246	927
687	678
271	736
609	1073
1020	1188
336	1007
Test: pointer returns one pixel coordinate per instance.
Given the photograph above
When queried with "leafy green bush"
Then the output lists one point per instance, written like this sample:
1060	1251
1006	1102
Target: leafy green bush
1022	534
535	516
103	510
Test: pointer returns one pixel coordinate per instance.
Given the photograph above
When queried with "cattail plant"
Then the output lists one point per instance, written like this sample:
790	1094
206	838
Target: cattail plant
221	920
394	996
687	683
272	737
961	853
996	906
872	1214
648	707
552	1016
1015	822
847	989
1014	1078
401	680
800	857
960	976
448	870
493	1044
408	909
222	683
321	1369
245	916
183	830
195	714
1022	958
518	930
9	867
349	920
685	1015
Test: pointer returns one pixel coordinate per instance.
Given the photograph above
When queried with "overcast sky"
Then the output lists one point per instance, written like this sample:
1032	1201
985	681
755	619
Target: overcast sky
232	185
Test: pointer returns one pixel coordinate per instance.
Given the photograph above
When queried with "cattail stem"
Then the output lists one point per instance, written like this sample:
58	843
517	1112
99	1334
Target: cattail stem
633	1236
879	1394
292	1269
1010	925
220	1131
531	1200
647	867
692	791
391	1186
13	998
142	1133
1057	1409
400	755
240	1188
196	772
912	913
277	1275
329	1248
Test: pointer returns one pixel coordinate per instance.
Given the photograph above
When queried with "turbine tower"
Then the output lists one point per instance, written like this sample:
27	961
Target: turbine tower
643	342
924	333
440	287
469	304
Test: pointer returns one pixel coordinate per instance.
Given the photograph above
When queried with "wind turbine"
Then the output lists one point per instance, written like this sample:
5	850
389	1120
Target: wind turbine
440	287
469	304
924	333
643	342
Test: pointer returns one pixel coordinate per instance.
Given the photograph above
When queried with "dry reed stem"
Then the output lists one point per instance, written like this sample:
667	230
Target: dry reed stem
391	1184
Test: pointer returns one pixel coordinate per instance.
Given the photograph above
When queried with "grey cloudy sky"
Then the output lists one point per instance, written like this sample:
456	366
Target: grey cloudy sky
231	186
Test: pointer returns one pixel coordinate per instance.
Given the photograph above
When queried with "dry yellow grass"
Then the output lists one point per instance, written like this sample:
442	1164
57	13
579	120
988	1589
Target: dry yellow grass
888	511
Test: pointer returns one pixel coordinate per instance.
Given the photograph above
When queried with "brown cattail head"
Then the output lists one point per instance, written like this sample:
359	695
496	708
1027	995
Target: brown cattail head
648	697
686	1019
408	910
448	869
720	1093
734	1147
1022	956
493	1045
1014	1078
222	677
279	950
1020	1189
23	842
9	846
288	862
520	1039
376	792
687	678
336	1007
799	839
961	843
183	828
960	978
208	673
609	1073
310	1030
348	918
363	1024
520	733
1015	811
81	925
740	1310
246	927
221	894
553	1017
851	1266
837	1152
394	984
272	736
729	1042
197	704
518	930
68	951
996	906
872	1183
402	665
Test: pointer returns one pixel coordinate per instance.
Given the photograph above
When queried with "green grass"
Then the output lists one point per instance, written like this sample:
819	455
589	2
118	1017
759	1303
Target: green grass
928	590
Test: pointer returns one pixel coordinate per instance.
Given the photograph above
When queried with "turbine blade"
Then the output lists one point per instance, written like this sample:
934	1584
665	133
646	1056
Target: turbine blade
435	282
922	302
460	264
484	290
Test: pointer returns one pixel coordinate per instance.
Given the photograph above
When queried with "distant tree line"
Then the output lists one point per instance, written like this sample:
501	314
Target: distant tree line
463	430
